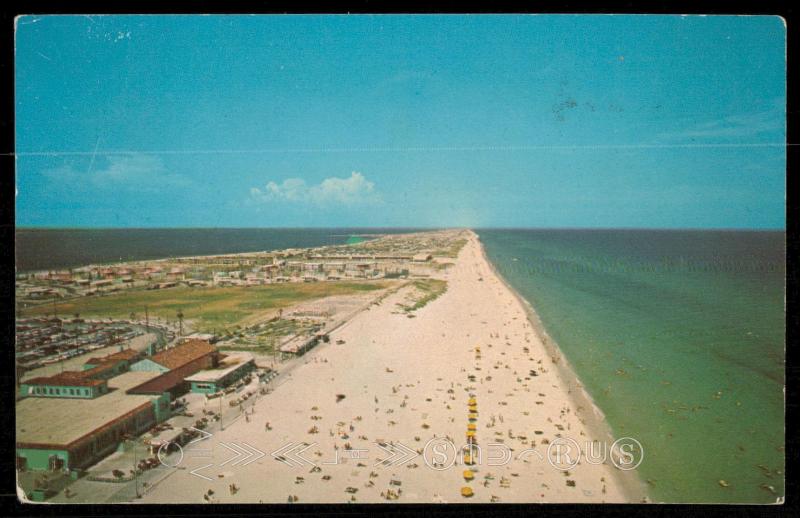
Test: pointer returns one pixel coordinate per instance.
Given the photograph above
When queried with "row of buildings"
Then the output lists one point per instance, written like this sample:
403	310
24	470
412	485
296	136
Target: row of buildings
204	271
71	420
87	275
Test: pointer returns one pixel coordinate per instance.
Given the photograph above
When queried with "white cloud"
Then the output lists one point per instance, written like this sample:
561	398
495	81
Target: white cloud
133	172
352	190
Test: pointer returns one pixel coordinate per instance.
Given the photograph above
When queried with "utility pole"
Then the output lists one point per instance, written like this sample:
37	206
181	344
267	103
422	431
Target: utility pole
135	468
221	426
154	345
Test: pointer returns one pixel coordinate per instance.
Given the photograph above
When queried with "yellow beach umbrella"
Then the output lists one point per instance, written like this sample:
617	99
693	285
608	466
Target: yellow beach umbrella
468	475
472	401
470	433
468	459
466	492
473	417
471	427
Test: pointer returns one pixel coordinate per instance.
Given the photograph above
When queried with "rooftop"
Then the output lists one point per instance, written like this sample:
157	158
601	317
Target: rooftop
131	379
125	354
99	370
159	384
68	378
184	353
231	362
63	421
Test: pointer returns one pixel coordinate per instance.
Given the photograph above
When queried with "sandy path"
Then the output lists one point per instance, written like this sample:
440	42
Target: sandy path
405	380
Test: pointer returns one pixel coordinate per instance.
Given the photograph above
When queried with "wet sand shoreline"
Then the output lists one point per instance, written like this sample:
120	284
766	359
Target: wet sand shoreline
595	420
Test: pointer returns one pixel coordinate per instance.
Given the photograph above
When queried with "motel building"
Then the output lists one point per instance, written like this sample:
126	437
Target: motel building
69	433
89	383
174	365
70	421
230	370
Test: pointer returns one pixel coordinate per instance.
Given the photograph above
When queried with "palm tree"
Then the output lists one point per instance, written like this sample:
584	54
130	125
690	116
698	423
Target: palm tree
180	321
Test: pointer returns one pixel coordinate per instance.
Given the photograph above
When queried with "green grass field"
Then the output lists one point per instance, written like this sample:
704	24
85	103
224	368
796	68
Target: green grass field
210	308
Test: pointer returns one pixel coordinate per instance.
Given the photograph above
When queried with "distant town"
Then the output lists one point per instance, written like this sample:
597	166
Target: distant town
119	372
387	257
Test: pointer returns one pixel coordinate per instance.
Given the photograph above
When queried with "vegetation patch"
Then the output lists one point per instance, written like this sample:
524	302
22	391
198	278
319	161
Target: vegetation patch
453	249
264	338
425	291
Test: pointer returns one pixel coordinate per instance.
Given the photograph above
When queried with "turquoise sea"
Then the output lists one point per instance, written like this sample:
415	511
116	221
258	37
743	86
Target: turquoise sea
678	336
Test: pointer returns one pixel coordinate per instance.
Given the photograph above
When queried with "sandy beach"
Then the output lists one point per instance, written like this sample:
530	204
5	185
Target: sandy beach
407	385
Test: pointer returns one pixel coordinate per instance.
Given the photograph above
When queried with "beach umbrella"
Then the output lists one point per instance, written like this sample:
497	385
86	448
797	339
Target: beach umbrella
466	492
472	401
468	459
473	408
471	427
468	475
473	417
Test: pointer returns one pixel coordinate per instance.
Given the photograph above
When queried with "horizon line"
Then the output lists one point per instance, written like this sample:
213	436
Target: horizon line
422	227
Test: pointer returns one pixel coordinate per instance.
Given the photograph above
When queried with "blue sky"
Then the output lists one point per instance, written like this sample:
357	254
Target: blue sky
296	121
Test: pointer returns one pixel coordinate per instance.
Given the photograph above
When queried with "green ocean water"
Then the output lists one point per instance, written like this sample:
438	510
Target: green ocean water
679	338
